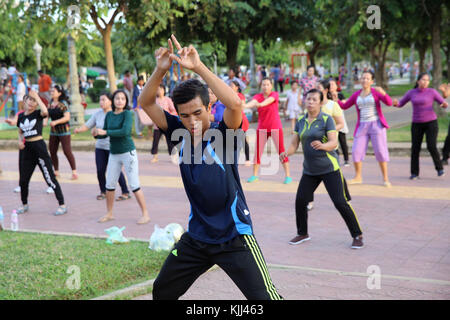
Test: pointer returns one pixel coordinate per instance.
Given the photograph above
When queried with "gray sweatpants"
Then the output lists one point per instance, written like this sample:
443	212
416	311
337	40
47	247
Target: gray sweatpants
129	161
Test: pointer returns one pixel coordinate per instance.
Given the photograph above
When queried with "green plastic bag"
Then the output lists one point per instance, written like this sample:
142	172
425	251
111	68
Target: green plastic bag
116	236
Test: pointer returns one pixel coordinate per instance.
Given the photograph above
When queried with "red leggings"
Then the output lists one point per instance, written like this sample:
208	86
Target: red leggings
53	145
261	139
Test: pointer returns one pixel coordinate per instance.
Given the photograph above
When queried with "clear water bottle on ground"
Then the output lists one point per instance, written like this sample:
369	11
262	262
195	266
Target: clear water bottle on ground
14	221
2	217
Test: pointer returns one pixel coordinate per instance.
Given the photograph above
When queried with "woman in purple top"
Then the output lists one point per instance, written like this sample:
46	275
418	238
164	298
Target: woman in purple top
371	125
424	122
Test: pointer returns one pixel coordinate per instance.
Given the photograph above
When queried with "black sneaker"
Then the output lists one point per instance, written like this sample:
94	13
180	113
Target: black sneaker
414	177
357	243
441	173
299	239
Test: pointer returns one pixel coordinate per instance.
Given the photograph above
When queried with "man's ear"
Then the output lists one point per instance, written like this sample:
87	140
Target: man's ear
208	108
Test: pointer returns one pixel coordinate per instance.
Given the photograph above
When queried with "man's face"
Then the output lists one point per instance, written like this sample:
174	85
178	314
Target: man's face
195	116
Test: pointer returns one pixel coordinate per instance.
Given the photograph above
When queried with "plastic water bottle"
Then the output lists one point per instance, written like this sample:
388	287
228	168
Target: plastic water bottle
2	217
14	221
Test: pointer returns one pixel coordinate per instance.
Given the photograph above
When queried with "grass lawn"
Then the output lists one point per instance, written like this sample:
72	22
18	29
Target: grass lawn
36	266
403	134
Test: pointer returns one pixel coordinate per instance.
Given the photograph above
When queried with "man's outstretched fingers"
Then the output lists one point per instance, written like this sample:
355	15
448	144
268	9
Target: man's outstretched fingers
175	41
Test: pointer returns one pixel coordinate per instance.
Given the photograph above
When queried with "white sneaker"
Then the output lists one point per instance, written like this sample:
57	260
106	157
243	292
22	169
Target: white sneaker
50	190
17	189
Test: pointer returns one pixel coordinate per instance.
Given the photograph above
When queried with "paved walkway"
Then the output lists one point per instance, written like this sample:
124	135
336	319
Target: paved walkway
406	227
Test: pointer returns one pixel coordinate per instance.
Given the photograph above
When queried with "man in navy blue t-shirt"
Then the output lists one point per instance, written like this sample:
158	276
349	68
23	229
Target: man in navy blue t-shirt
220	229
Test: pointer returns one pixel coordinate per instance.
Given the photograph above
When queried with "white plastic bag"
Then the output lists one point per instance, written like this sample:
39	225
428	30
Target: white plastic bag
175	230
161	240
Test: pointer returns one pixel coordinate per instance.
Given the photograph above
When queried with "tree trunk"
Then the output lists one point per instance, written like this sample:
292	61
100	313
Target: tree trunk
232	47
312	54
109	59
446	50
379	55
436	53
436	47
421	50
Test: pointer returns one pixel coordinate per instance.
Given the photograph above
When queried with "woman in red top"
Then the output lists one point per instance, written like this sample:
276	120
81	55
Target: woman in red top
245	124
269	124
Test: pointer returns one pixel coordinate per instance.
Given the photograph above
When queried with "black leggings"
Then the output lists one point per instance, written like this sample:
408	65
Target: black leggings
343	143
430	129
156	137
101	161
446	149
35	153
334	183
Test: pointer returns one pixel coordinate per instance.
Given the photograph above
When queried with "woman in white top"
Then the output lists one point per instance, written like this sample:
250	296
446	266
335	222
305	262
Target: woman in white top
291	105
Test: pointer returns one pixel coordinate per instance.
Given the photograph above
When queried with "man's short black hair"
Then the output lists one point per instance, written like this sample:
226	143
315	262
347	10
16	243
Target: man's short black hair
188	90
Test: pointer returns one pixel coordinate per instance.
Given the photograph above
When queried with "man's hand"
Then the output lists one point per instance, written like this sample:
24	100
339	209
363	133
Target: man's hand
444	105
21	145
163	60
187	57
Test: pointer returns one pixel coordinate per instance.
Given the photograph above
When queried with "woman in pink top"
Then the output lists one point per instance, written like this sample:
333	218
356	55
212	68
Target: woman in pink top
167	104
371	125
269	125
424	122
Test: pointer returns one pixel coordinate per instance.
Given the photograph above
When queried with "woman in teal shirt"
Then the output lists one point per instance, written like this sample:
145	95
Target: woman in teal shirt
316	132
118	123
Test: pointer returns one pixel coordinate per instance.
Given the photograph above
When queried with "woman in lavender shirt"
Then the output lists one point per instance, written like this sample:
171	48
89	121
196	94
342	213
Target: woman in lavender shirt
424	122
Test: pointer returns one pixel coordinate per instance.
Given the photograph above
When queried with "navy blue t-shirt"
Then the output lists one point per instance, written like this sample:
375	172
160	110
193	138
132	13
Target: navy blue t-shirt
219	211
